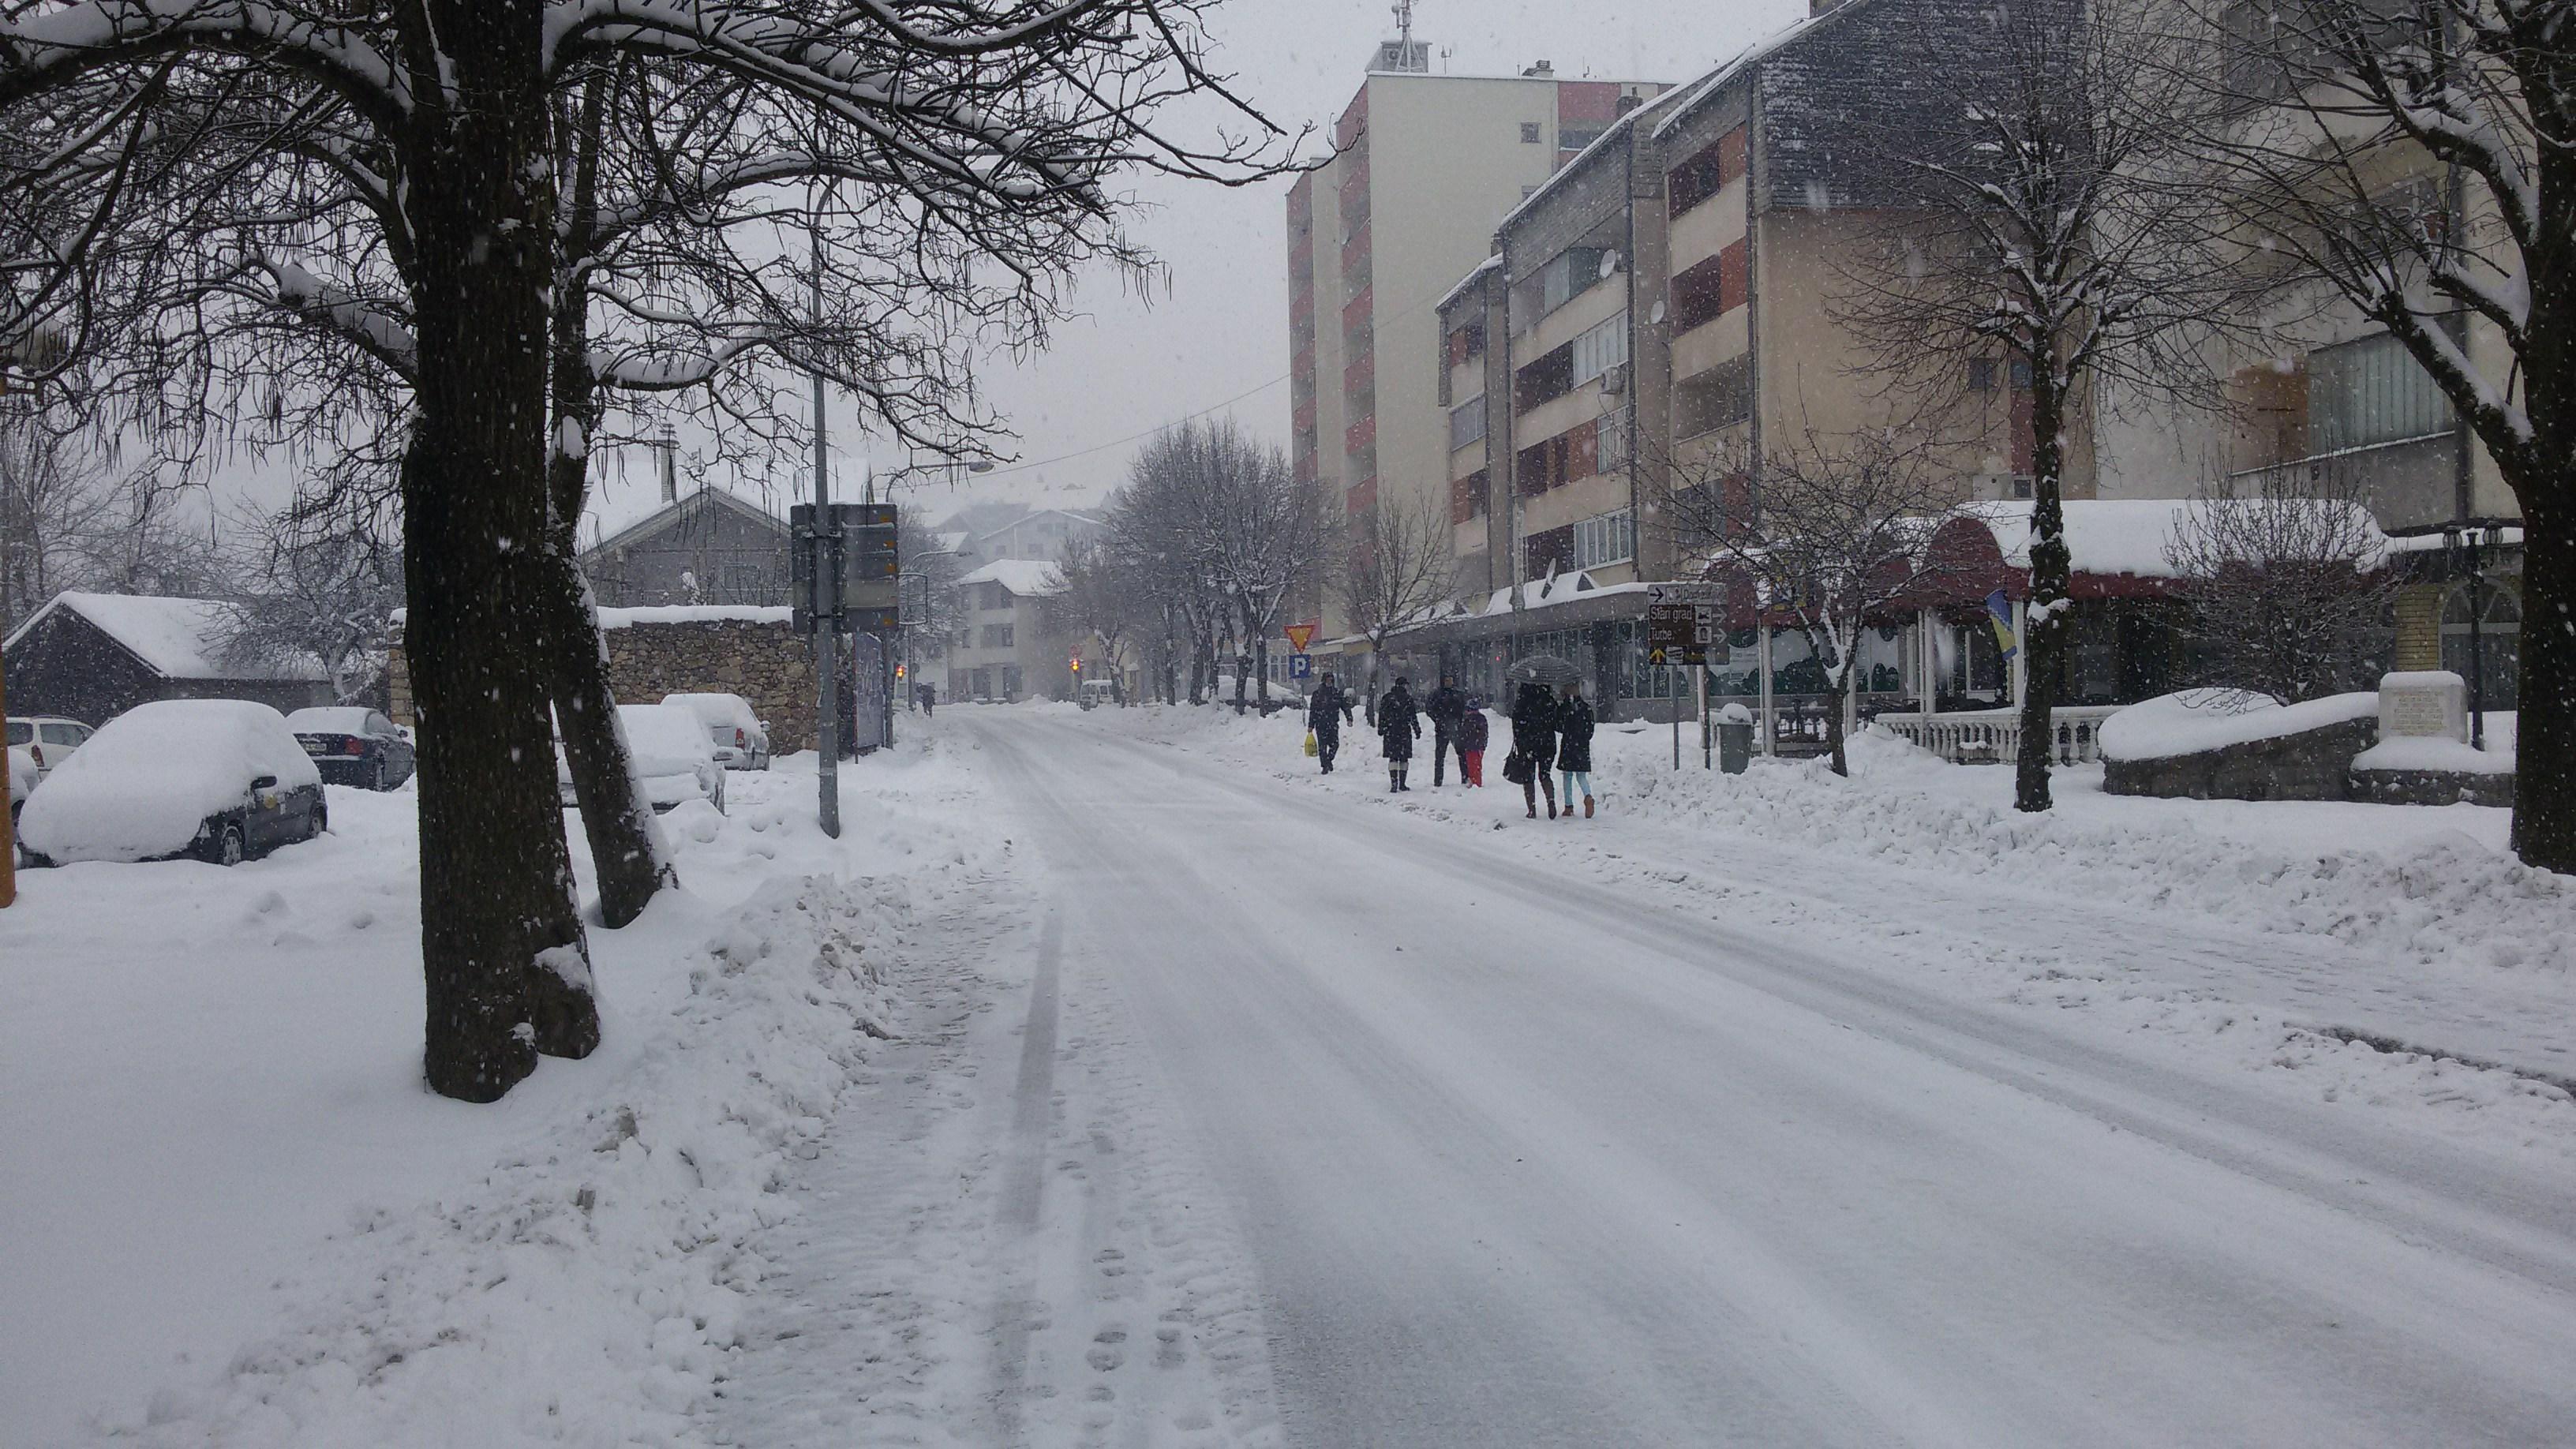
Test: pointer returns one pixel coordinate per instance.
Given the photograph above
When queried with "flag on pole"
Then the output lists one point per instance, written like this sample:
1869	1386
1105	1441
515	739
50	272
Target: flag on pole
1999	614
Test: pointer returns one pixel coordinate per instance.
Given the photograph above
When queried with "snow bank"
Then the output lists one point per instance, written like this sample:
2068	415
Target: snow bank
2436	753
2195	720
587	1289
149	778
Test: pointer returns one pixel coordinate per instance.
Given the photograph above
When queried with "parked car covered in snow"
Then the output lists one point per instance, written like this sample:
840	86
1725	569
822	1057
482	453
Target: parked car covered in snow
675	761
739	734
220	779
353	745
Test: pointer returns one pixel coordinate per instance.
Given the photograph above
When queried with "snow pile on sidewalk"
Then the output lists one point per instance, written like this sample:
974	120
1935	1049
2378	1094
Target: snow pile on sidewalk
585	1289
2430	895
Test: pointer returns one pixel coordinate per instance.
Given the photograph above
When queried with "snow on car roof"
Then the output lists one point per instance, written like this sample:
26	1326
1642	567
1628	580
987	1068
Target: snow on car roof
178	638
347	719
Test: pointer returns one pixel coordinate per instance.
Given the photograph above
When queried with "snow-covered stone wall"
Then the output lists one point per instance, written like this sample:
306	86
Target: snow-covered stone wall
745	652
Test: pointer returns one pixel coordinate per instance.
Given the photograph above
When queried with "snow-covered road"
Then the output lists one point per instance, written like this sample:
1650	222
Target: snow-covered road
1513	1156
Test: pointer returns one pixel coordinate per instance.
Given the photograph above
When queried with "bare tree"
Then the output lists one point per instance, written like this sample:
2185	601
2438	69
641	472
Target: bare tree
2034	218
433	122
59	516
2417	160
305	588
1104	601
1834	545
2288	586
1399	569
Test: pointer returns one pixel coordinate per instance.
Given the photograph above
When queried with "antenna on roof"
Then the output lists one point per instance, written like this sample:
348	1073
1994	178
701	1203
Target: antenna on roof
1404	26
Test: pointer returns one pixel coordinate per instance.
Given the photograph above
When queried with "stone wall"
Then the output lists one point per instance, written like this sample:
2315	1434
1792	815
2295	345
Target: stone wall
763	660
2432	787
2312	765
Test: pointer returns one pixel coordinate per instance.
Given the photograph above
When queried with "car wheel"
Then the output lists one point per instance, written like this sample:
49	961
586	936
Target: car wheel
321	821
229	848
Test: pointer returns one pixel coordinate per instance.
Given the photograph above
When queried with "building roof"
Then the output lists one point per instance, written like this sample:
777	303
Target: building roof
1029	578
1492	261
670	513
175	638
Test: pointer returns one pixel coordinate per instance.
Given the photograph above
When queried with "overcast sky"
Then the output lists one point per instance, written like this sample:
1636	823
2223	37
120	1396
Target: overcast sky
1221	329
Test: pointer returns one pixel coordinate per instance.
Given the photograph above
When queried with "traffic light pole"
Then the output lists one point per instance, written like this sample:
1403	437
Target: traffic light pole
827	638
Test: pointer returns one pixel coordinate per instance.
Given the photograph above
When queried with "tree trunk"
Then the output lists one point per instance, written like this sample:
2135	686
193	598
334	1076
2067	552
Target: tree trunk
495	877
2042	641
1834	718
625	846
2544	785
1261	667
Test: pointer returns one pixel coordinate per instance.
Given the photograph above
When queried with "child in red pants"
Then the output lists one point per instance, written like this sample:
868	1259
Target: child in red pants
1472	734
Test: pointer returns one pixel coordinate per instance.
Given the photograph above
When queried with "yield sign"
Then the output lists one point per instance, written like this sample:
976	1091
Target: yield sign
1299	636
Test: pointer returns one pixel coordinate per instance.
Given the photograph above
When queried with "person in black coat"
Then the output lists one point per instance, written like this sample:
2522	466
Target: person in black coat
1326	709
1472	733
1444	708
1574	747
1533	746
1398	725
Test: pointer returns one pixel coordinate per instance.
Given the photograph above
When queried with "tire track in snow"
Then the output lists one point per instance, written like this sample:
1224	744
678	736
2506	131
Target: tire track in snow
1024	1181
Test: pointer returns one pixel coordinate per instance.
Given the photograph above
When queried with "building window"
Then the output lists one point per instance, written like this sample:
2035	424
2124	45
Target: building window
1706	173
2021	374
1011	681
1599	348
1564	277
1552	551
1981	374
1548	378
1529	133
1709	288
1547	463
1469	497
1616	431
1606	538
1575	138
2499	642
1717	398
2371	391
1467	423
997	636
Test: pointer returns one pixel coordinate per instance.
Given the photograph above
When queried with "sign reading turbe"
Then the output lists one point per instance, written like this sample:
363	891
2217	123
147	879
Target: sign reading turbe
1674	635
2425	704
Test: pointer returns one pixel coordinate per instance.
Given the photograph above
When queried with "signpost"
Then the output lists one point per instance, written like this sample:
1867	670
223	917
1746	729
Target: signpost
1676	635
845	576
1301	666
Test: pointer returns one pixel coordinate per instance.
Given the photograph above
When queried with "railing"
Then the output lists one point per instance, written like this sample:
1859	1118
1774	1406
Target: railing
1989	736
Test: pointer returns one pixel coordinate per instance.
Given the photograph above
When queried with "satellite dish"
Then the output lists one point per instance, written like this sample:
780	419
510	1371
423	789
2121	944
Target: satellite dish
1657	314
1609	265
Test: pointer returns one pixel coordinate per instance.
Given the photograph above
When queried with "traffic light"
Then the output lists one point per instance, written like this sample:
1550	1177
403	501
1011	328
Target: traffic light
1076	662
870	567
900	671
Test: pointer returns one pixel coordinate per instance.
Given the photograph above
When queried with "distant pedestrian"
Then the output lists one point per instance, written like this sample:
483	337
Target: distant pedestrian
1472	733
1399	724
1574	748
1444	708
1326	709
1533	747
929	699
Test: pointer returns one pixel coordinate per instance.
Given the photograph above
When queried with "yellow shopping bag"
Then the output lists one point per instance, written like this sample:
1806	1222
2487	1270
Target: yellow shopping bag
1310	744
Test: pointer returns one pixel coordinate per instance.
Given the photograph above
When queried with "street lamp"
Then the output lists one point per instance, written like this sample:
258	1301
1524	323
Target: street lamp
949	466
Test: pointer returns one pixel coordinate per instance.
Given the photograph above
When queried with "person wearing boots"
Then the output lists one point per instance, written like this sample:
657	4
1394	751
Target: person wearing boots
1533	747
1444	708
1472	733
1326	709
1574	747
1399	724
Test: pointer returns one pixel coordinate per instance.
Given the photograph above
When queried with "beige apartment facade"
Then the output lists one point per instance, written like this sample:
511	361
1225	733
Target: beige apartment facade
1425	166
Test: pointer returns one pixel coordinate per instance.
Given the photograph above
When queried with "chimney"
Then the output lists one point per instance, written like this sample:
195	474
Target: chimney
669	448
1541	70
1630	103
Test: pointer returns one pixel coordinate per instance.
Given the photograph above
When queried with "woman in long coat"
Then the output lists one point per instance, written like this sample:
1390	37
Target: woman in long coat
1398	724
1533	746
1574	748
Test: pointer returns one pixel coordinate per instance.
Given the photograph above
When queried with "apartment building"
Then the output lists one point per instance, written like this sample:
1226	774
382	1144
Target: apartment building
1424	167
1656	315
1002	649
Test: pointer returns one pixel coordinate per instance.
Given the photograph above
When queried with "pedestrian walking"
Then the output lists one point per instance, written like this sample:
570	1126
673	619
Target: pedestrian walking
1445	707
1399	724
1533	747
1473	730
1326	709
929	700
1574	748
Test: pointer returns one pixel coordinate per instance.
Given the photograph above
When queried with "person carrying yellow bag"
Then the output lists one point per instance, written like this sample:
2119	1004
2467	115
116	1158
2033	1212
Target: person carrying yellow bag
1326	709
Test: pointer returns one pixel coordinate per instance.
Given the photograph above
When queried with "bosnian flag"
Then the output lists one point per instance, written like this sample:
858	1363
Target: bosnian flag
1999	614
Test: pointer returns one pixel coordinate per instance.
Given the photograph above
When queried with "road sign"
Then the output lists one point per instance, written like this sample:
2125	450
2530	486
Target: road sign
1301	666
1299	636
845	568
1674	635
